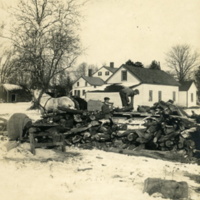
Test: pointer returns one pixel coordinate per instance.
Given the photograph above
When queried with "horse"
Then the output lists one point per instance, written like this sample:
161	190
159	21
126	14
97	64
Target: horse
49	104
81	102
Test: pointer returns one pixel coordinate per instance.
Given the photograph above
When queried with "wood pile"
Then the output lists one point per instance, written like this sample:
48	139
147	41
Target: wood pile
89	130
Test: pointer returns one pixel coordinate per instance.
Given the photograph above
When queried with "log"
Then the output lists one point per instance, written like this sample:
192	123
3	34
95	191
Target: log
180	143
142	140
76	139
68	142
118	143
94	123
77	118
78	130
86	135
169	136
140	132
189	144
101	137
131	147
152	129
132	137
169	143
162	144
102	129
169	129
124	133
186	122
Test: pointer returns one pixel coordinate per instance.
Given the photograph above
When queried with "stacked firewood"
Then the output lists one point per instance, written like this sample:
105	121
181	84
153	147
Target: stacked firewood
89	130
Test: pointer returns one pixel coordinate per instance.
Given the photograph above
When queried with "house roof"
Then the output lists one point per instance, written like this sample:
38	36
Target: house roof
114	87
151	76
112	69
185	86
11	87
96	81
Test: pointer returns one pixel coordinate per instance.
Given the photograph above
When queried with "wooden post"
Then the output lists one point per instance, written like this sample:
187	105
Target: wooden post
32	142
132	102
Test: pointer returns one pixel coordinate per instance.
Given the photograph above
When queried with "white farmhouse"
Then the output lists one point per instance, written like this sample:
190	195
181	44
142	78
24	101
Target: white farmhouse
105	72
85	83
154	85
93	80
187	94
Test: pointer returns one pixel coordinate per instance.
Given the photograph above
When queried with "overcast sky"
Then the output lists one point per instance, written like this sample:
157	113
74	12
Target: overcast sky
140	30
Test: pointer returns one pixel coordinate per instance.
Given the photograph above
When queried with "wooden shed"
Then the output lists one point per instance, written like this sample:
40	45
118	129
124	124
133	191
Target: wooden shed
10	93
187	94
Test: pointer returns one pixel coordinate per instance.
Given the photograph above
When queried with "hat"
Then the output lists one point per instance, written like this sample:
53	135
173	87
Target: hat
136	91
106	98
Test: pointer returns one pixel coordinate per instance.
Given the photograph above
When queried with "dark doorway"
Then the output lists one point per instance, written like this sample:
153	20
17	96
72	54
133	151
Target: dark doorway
13	98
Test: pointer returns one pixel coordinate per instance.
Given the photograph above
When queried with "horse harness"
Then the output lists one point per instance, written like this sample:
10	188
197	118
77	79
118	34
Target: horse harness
43	107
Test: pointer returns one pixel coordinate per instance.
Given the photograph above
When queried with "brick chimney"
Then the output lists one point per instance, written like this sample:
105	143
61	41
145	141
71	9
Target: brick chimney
90	72
112	64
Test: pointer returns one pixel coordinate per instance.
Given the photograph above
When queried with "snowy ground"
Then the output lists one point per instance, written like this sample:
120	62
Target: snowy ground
82	174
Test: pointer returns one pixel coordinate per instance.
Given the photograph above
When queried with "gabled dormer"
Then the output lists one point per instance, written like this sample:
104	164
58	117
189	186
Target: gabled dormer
105	71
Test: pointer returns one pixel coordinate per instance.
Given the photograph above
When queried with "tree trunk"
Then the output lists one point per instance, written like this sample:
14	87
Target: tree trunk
36	101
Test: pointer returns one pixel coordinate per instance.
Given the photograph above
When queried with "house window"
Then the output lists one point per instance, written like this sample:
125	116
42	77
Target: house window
159	95
85	83
83	92
99	73
74	92
192	97
77	83
150	95
78	93
174	96
107	73
124	75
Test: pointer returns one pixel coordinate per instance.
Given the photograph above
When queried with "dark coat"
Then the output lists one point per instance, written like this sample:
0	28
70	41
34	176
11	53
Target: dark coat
17	125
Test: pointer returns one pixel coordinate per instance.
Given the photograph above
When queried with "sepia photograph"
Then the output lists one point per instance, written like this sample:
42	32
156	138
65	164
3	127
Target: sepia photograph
99	100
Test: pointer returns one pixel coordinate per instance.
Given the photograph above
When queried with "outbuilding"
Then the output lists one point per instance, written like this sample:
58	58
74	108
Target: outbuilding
187	94
10	93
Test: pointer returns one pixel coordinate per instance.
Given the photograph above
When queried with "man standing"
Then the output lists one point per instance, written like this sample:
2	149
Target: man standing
106	108
125	93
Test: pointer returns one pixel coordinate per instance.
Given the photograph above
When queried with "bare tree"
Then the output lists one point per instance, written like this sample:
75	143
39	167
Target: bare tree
181	59
83	70
45	38
5	66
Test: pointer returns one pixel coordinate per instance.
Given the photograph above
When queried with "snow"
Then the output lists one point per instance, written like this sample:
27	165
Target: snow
10	87
81	174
